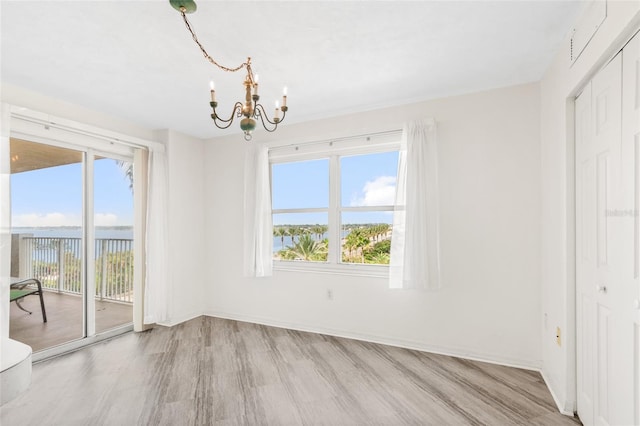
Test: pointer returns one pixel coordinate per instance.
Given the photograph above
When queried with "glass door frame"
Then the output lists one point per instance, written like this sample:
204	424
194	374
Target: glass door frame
89	334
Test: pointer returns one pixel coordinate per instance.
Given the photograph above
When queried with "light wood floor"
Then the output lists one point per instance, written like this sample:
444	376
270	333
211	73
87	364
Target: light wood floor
64	319
214	371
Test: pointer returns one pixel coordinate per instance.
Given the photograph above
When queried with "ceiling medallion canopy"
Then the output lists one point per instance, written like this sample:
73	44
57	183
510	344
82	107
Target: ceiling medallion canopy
250	109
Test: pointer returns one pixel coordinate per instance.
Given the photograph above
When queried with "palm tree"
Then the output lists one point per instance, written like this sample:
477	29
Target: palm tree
384	229
308	249
357	239
319	230
280	231
379	253
379	259
293	231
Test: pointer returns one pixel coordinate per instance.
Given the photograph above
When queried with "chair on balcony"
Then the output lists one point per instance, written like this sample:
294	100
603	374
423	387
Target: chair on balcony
21	288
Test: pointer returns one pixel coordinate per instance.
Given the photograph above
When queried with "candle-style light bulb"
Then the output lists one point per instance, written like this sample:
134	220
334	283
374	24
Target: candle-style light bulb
277	109
255	84
213	92
284	96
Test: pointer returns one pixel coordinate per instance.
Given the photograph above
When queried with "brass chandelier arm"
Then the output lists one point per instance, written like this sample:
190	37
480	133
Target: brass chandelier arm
236	112
260	113
183	11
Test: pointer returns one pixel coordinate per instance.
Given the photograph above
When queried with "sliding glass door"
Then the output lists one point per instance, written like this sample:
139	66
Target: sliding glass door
72	243
113	234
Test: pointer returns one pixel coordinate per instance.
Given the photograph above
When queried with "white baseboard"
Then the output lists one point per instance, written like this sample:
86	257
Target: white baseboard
180	319
384	340
559	404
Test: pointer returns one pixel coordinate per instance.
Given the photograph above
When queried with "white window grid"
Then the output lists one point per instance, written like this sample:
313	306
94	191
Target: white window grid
333	151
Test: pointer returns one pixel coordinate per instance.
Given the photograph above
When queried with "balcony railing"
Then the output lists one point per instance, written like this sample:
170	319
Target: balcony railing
57	262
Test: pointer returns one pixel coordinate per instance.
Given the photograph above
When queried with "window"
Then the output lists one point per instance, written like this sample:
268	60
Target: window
300	202
333	202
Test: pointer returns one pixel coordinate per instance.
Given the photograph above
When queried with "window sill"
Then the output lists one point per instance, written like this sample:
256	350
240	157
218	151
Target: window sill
376	271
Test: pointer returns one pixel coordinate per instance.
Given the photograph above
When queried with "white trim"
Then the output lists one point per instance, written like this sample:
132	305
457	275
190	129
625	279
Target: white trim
179	320
89	244
334	216
560	407
346	269
140	174
389	209
326	149
49	122
370	139
304	210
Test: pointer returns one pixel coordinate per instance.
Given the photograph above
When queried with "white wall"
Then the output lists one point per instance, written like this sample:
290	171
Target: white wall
185	156
558	88
489	307
38	102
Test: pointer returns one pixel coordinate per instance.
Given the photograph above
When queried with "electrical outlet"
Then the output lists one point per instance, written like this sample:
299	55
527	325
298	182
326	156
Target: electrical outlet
558	338
329	294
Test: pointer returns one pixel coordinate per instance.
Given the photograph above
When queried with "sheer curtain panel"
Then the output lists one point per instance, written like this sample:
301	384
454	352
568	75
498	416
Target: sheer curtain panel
258	233
415	251
156	293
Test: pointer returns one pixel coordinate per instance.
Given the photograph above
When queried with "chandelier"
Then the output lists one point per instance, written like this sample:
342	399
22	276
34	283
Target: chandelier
250	109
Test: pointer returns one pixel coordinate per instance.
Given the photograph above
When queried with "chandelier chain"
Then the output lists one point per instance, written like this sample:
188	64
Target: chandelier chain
204	52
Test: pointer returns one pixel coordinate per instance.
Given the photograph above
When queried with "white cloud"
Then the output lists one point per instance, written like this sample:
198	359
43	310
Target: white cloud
33	220
106	219
379	192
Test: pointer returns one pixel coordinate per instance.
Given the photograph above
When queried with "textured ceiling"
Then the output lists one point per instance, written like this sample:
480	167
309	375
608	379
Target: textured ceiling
136	60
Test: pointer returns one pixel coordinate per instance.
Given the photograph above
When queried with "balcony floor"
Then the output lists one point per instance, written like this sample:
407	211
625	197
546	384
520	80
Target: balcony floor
64	319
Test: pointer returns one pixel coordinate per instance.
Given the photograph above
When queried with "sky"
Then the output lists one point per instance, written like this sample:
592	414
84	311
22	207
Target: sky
366	180
53	196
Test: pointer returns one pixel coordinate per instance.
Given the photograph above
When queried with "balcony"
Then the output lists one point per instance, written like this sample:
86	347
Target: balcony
57	263
64	319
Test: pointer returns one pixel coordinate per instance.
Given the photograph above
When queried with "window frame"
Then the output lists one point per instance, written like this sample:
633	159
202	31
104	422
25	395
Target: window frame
333	150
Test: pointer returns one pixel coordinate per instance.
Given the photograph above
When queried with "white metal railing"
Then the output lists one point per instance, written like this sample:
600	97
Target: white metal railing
57	262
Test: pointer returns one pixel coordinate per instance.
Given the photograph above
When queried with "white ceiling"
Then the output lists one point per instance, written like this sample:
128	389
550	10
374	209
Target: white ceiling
136	60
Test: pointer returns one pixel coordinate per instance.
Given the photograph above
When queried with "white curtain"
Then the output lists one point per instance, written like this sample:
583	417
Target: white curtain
258	230
156	293
5	218
415	252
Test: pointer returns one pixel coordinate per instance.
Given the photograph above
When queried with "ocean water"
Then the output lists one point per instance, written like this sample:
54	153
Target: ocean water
47	252
105	232
124	233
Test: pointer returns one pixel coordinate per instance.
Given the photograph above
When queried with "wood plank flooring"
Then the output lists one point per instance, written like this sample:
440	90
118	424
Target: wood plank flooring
64	319
214	371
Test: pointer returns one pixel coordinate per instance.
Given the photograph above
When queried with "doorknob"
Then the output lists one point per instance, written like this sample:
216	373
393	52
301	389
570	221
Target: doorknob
601	288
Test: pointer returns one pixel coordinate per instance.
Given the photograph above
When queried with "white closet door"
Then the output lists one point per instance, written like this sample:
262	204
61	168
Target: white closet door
597	270
585	256
630	222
